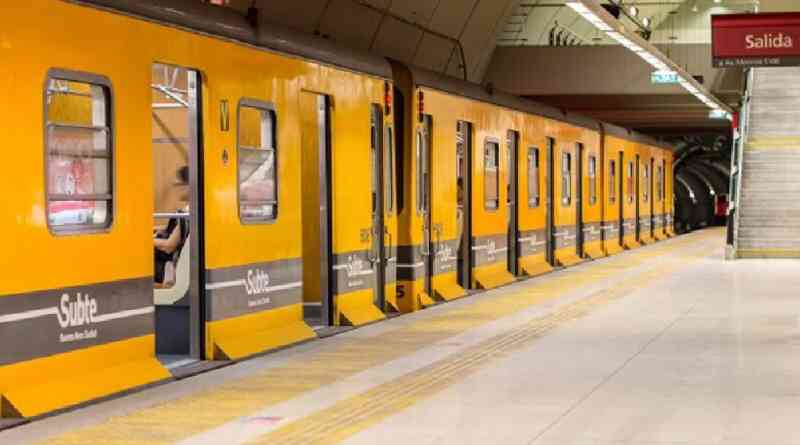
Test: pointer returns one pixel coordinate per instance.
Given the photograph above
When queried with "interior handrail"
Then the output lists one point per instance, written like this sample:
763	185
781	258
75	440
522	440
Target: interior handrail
172	215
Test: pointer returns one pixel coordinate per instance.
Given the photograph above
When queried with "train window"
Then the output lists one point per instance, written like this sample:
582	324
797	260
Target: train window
646	183
612	181
592	179
78	152
257	162
629	182
566	179
491	175
533	177
388	162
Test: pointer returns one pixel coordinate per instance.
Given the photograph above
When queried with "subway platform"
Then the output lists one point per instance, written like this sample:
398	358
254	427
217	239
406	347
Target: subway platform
665	344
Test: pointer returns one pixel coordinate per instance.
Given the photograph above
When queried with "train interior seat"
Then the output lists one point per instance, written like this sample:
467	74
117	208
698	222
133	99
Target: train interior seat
177	289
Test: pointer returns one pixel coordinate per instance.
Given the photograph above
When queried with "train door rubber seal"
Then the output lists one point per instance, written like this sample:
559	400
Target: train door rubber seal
580	151
376	135
550	229
325	214
636	179
513	207
621	170
197	285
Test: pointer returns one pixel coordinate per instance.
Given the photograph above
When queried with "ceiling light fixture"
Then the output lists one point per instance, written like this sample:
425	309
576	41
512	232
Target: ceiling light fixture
651	58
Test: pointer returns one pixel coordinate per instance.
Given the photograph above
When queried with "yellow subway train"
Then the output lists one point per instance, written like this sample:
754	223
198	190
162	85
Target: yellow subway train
190	188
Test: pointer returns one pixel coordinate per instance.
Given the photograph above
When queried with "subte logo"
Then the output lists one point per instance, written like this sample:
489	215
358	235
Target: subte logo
257	282
73	314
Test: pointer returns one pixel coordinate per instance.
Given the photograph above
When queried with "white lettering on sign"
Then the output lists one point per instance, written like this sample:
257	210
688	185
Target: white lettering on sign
768	40
257	282
76	313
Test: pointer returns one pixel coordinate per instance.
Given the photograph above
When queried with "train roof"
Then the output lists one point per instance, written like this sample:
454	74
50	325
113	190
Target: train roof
227	23
477	92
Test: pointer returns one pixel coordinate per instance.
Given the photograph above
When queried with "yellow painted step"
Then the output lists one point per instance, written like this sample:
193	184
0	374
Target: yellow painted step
358	309
489	279
48	384
567	259
256	342
535	267
449	291
425	300
595	252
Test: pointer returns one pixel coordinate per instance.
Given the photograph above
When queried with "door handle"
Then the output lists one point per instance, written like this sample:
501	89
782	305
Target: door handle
388	246
437	228
425	250
372	255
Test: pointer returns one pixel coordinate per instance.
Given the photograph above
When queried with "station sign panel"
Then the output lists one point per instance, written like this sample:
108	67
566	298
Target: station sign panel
663	77
763	40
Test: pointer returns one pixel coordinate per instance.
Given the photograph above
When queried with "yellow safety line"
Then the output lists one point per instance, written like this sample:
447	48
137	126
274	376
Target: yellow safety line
350	416
773	143
178	419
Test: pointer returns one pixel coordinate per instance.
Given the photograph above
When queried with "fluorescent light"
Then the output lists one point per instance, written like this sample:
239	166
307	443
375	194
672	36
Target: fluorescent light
584	12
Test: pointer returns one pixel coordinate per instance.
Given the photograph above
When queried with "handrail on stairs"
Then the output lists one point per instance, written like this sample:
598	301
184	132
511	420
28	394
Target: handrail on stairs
737	161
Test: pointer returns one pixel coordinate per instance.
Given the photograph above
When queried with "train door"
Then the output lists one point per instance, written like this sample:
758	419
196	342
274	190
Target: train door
622	196
550	202
378	255
316	209
513	201
651	194
178	219
424	137
637	183
580	155
464	203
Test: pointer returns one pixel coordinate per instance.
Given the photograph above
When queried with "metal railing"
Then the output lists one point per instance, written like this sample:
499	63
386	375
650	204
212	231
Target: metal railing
737	160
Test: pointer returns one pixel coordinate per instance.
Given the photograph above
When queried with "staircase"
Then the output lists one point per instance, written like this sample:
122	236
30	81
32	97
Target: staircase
769	200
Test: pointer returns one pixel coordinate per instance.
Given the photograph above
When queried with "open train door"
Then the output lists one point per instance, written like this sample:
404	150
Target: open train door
425	135
513	201
637	199
179	293
580	156
622	197
464	202
550	202
317	222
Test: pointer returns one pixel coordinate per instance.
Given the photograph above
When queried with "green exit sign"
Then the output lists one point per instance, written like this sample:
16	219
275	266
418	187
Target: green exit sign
661	77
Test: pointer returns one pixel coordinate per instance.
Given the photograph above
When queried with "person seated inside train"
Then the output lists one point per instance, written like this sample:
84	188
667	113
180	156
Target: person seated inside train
169	241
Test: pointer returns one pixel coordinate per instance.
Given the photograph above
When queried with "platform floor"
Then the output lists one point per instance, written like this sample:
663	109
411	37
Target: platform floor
667	344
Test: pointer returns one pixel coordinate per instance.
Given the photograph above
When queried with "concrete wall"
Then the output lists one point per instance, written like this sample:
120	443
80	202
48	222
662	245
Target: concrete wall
602	69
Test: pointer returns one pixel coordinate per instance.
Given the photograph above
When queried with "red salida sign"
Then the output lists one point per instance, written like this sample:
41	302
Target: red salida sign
771	39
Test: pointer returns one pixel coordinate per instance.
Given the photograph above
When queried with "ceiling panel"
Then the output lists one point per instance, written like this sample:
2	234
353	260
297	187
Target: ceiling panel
480	32
397	40
451	16
434	53
369	25
417	11
302	15
348	23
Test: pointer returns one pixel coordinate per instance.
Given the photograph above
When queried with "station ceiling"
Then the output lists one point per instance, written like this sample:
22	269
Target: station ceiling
427	33
418	32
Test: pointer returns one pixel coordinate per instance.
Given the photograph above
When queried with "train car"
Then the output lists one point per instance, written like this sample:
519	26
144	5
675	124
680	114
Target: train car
630	207
659	193
590	196
669	197
644	160
614	197
454	228
108	124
